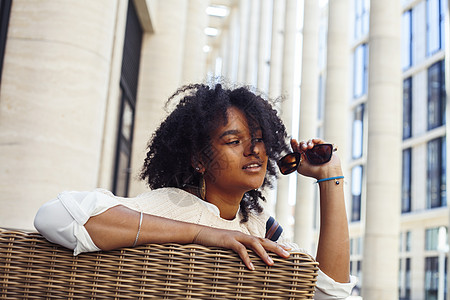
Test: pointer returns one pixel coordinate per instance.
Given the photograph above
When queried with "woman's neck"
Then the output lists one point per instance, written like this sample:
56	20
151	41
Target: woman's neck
227	203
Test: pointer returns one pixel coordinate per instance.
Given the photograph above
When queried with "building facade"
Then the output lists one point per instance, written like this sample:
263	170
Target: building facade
83	86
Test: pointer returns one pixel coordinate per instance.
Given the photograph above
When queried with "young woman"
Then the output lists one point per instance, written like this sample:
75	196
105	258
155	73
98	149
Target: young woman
205	166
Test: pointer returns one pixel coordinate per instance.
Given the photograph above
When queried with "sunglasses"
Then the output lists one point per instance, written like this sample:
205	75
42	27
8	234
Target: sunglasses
317	155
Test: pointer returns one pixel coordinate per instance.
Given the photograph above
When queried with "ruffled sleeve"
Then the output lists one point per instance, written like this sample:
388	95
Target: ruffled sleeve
62	220
326	287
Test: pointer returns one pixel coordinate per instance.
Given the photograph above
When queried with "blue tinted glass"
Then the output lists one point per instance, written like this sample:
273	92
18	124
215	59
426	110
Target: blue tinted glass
407	108
406	40
356	192
406	181
358	131
433	27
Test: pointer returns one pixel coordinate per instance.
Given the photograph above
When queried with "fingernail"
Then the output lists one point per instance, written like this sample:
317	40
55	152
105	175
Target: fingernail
252	267
270	260
286	253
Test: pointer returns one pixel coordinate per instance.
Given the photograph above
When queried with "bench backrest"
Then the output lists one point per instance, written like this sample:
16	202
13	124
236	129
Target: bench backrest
33	268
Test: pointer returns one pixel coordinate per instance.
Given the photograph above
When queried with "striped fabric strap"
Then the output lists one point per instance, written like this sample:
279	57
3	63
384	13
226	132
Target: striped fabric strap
273	229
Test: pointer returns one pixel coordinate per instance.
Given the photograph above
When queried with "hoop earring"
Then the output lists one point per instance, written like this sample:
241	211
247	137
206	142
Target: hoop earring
202	187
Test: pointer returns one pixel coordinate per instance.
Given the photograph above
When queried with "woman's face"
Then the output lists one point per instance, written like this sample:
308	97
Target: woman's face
239	160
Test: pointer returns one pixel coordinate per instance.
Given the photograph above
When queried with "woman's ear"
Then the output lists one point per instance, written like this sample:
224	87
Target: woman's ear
197	165
200	169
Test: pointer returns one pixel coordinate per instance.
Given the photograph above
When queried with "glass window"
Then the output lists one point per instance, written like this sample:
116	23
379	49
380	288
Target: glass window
406	37
432	278
123	171
360	71
127	98
5	10
321	102
405	279
127	120
408	241
442	11
406	181
436	173
359	275
436	95
322	57
358	131
407	108
435	25
431	238
360	246
357	173
361	18
444	171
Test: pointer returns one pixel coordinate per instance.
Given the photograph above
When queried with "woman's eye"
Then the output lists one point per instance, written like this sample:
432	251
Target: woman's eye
259	140
235	142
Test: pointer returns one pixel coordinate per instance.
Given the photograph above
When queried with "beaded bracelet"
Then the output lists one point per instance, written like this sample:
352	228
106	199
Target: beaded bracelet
139	230
331	178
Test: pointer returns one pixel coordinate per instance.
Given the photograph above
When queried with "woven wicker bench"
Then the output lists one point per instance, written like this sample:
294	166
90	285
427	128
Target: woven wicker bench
33	268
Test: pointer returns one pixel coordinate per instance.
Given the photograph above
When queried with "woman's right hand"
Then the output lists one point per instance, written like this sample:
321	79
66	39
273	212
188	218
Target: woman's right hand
239	242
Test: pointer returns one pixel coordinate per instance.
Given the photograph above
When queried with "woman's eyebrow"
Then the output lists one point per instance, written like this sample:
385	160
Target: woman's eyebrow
229	132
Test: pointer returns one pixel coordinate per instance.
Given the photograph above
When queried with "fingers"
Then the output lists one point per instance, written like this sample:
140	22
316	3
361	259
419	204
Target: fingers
260	246
239	242
294	145
259	249
305	144
241	250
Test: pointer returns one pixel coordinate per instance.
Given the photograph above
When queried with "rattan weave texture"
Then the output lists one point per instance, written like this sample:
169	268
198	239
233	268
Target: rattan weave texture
33	268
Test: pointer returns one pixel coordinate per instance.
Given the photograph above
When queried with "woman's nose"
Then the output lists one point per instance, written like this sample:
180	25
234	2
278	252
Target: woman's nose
251	148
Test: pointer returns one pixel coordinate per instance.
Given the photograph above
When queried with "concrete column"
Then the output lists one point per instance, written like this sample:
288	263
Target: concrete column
380	265
194	60
283	210
252	67
233	44
337	80
276	48
275	71
225	51
160	76
304	208
53	97
265	20
244	12
337	85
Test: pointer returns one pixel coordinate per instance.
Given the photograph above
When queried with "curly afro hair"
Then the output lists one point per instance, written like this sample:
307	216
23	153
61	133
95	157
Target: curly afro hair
184	137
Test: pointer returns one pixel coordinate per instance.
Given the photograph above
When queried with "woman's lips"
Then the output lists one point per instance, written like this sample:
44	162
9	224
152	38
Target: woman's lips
252	167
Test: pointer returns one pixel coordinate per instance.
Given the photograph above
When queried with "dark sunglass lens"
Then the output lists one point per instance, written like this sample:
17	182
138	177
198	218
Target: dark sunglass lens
319	154
289	163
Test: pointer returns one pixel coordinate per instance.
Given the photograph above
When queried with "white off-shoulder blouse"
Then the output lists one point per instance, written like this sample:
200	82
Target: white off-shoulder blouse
62	220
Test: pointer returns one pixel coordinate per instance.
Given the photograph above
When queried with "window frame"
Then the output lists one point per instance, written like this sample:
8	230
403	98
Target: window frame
5	12
128	96
436	97
407	108
357	187
407	39
360	70
406	180
436	173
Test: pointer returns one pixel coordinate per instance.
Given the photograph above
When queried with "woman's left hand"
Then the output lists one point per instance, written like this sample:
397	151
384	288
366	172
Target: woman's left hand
329	169
333	247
